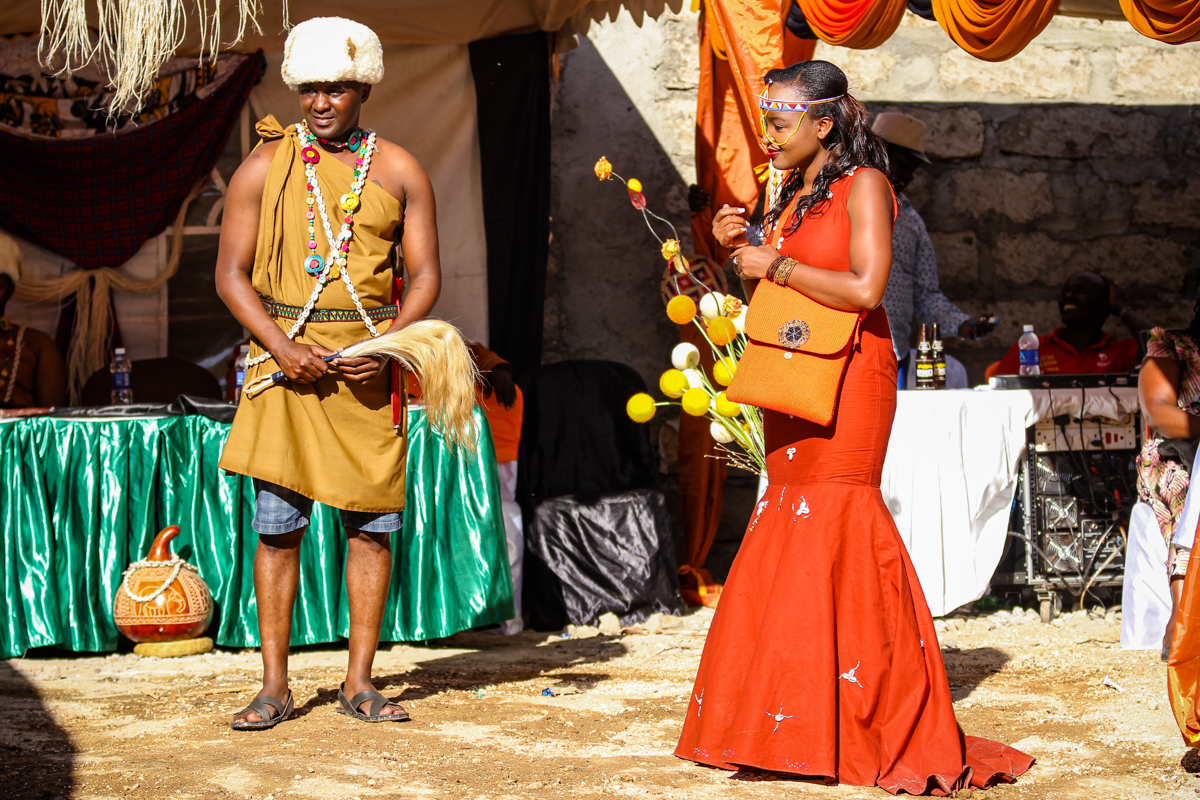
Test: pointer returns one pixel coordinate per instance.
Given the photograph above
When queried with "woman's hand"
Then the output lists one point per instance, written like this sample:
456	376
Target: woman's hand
729	226
301	363
752	263
361	368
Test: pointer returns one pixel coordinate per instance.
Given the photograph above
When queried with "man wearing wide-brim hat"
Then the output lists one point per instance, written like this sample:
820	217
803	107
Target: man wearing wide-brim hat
912	288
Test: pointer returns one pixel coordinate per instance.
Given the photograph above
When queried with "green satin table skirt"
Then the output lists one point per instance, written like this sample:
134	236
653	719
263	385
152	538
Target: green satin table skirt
80	499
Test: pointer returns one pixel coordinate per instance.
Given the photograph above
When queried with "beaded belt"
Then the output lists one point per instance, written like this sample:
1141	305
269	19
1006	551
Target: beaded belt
284	311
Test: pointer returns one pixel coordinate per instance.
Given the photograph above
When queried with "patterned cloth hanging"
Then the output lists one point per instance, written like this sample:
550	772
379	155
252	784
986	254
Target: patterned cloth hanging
1170	21
36	103
99	198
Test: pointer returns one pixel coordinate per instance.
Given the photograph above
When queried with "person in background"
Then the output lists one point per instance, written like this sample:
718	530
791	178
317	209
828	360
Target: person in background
504	405
1080	345
912	287
1169	391
31	369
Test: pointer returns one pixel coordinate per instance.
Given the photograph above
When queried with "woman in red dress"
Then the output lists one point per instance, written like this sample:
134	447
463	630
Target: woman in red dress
822	660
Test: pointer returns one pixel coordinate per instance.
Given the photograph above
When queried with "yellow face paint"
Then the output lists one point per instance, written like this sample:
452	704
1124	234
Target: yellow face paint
766	104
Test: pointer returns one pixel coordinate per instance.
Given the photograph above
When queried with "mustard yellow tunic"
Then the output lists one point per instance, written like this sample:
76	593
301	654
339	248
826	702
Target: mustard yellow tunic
331	440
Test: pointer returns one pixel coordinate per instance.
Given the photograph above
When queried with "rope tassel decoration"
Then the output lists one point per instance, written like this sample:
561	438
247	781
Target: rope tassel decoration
437	353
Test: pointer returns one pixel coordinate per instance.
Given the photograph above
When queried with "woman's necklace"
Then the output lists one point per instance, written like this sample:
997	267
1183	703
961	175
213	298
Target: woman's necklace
334	267
10	356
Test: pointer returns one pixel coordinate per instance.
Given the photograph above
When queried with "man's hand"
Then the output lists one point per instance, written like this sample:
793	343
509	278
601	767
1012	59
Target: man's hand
301	363
500	379
976	327
361	368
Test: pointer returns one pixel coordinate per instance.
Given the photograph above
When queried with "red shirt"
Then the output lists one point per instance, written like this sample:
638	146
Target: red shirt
1108	355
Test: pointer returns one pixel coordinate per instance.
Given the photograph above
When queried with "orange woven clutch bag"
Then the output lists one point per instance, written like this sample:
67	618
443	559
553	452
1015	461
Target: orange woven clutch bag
796	354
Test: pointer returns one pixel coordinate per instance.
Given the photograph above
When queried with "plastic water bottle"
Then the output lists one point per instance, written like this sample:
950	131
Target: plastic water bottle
1030	363
239	367
122	389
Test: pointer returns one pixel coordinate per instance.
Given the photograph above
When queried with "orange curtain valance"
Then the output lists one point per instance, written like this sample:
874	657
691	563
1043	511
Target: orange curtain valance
994	30
1175	22
860	24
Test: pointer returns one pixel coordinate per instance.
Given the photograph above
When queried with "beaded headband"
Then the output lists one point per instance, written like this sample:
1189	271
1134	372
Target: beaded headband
767	104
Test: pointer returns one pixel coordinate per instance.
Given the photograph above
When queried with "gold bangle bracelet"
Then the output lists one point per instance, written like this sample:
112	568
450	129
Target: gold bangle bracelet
774	268
785	270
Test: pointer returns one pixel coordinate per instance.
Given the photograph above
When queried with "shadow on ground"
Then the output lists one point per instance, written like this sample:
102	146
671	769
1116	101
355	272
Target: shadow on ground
37	757
966	669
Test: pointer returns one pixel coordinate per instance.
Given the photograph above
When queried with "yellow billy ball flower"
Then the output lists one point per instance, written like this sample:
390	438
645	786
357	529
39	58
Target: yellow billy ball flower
695	402
673	383
681	309
640	407
721	331
724	370
726	407
634	185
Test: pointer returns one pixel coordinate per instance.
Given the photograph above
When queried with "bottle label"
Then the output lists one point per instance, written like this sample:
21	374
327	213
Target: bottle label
924	371
120	380
1029	358
240	379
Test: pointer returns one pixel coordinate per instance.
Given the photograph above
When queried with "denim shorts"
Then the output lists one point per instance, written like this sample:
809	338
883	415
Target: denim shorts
279	510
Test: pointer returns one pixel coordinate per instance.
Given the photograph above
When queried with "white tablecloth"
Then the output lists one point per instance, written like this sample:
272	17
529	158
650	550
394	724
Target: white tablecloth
951	470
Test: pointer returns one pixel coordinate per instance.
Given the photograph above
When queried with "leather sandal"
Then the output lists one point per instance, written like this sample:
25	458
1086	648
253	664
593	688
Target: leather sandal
271	712
378	703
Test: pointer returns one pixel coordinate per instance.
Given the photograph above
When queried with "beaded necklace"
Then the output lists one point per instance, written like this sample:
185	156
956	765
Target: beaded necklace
353	141
339	246
10	356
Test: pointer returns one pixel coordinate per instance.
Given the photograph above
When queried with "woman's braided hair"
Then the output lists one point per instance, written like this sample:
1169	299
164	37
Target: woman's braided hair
851	143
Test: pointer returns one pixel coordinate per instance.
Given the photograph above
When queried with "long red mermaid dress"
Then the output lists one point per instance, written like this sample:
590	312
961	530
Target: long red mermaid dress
822	659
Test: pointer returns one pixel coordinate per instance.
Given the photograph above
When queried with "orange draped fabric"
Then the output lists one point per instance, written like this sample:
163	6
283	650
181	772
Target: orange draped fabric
861	24
994	30
736	41
1171	22
1183	667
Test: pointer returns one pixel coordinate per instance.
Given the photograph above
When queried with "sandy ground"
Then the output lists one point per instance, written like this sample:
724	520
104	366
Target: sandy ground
127	727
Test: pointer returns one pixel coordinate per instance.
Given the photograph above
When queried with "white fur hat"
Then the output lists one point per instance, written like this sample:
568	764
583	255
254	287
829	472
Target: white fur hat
325	49
10	257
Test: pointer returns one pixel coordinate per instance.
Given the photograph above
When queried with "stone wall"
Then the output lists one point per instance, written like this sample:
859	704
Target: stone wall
1083	152
1021	196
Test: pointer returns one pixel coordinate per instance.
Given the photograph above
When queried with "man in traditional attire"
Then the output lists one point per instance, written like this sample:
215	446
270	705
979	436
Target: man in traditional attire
31	368
305	264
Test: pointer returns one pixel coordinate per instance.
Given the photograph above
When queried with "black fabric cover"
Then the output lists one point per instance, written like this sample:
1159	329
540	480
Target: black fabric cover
611	552
598	536
923	9
218	410
154	380
512	90
576	437
798	25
